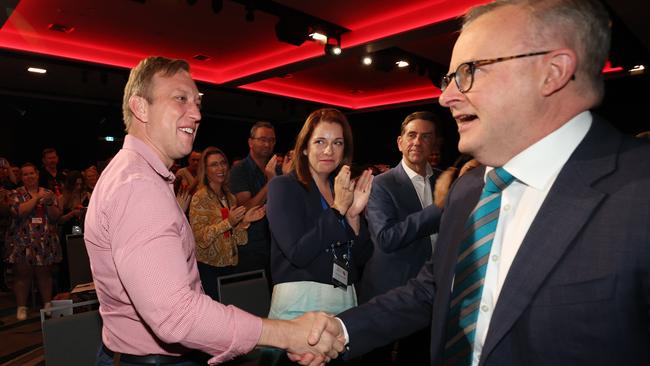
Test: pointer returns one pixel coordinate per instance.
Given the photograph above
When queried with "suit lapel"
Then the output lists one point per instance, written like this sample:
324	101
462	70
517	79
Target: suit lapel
462	199
405	190
567	208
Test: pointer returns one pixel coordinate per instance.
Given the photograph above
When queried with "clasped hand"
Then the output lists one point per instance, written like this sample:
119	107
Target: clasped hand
325	339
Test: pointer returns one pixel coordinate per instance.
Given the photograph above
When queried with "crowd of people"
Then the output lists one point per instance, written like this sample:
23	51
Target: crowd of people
38	208
537	234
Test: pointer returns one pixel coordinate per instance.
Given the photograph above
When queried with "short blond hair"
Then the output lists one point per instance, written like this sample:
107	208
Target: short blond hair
140	80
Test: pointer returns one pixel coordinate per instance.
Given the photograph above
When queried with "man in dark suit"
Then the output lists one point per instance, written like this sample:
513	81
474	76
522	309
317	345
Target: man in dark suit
567	279
402	220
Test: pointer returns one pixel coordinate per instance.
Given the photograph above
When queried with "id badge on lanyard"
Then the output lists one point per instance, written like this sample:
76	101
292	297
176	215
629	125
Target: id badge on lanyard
341	256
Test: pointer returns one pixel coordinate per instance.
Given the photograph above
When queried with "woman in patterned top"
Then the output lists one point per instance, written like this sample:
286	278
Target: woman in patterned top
219	225
32	240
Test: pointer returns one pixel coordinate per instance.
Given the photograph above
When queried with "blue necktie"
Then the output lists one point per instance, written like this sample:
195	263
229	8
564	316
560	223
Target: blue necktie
471	266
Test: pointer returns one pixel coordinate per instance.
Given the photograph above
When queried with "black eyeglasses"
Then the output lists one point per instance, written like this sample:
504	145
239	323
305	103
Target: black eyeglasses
464	74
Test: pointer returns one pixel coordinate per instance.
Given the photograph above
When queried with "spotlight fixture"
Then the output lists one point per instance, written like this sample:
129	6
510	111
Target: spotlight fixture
637	69
333	46
320	37
367	60
402	63
36	70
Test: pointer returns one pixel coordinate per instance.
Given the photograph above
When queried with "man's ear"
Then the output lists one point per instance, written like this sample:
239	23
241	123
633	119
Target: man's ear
139	107
399	140
560	70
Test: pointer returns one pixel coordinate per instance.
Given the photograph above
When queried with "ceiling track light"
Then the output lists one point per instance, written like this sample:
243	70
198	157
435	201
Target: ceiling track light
367	60
333	48
318	36
36	70
401	63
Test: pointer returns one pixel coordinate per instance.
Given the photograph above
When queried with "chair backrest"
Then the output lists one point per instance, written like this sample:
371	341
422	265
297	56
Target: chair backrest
248	291
78	262
72	339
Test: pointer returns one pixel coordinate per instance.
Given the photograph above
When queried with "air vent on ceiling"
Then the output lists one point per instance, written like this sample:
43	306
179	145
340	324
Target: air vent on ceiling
200	57
60	28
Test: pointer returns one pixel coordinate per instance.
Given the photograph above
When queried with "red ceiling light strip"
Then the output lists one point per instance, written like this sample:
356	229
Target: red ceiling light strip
393	97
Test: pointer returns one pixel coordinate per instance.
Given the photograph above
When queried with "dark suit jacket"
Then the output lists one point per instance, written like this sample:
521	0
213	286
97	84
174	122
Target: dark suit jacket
578	290
302	233
400	230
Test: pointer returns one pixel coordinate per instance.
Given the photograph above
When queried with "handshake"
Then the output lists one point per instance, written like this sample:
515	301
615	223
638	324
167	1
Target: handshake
311	339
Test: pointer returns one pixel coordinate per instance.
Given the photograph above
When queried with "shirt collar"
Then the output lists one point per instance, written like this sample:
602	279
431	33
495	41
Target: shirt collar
412	174
138	146
539	164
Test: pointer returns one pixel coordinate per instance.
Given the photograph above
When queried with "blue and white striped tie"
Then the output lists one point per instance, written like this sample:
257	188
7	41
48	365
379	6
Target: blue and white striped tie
470	270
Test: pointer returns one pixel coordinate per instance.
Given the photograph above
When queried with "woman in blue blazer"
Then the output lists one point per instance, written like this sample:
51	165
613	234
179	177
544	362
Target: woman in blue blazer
319	237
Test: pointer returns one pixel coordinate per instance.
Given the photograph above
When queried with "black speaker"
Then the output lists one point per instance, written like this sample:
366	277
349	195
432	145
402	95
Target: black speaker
6	8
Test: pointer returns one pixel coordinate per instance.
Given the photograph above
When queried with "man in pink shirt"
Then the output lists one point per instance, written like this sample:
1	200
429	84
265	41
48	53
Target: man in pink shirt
142	251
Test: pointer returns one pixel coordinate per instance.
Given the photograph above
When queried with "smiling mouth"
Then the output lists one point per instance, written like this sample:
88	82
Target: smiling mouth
466	117
187	130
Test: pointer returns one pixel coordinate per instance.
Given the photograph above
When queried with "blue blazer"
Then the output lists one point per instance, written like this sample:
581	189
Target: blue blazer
400	230
578	290
302	233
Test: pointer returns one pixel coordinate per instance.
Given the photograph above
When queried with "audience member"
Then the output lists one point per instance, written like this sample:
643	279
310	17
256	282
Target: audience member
15	170
7	177
90	176
50	175
218	224
248	182
403	223
5	220
142	251
32	240
188	174
543	255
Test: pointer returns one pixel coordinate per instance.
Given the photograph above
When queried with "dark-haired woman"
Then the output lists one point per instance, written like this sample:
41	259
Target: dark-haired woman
319	238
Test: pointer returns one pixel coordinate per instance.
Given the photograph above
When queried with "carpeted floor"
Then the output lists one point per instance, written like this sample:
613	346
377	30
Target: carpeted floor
21	343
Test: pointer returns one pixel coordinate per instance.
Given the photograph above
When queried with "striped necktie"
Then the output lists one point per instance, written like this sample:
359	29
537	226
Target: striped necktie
470	270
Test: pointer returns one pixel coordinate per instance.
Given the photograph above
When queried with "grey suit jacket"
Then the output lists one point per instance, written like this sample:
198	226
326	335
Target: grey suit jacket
400	230
578	290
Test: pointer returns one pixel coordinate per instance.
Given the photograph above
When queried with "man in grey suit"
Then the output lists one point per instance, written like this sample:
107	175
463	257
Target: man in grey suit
567	274
402	220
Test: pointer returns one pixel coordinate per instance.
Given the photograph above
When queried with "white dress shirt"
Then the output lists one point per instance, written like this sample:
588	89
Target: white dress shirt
535	170
424	190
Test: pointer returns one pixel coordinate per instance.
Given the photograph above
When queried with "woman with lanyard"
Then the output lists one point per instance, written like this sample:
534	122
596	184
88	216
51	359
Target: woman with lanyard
32	239
219	226
319	238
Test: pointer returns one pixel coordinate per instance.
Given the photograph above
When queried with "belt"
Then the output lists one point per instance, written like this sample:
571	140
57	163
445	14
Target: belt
143	360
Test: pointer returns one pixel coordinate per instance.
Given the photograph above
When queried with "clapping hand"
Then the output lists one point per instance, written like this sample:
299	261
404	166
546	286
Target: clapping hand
286	163
269	169
361	194
236	214
254	213
343	190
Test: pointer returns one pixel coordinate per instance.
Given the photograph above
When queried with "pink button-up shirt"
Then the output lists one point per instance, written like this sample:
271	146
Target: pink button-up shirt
142	255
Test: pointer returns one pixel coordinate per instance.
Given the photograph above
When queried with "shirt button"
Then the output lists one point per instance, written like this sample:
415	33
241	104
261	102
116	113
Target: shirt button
485	308
495	257
506	207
